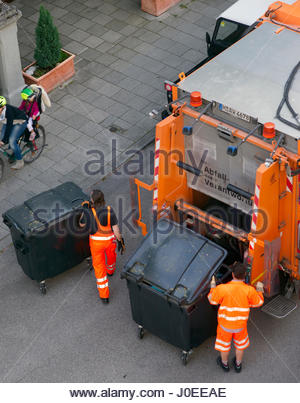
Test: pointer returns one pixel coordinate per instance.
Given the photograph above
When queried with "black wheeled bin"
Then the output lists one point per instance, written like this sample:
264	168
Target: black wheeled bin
45	232
168	279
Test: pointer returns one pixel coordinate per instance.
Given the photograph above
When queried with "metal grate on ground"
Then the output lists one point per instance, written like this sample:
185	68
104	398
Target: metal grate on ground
279	307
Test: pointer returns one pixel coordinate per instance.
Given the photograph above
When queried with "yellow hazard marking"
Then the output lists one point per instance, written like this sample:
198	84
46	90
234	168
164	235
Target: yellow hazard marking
257	278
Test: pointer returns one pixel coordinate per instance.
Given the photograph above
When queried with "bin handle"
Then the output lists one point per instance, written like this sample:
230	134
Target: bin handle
169	296
21	247
10	224
74	200
136	279
78	198
7	223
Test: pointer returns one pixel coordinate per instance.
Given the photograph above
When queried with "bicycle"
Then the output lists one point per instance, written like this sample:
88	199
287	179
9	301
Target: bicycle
30	150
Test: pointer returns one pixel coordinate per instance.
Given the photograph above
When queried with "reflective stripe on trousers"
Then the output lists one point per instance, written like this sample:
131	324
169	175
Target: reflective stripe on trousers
224	338
104	261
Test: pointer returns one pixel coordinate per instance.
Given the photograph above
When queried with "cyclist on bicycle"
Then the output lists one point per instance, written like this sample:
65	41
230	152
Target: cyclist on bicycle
30	106
15	122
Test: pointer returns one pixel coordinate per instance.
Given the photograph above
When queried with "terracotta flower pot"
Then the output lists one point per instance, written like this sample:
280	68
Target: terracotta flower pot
157	7
55	77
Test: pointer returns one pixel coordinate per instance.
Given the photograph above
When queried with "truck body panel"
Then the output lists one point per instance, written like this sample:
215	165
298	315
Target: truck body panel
218	170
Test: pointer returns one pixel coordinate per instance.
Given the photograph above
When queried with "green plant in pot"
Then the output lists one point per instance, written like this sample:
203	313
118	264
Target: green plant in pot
48	51
53	66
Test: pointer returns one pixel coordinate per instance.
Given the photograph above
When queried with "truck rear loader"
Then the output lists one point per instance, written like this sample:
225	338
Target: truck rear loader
227	159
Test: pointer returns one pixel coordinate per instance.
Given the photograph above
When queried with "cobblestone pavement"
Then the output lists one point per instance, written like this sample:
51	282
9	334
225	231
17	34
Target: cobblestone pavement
123	56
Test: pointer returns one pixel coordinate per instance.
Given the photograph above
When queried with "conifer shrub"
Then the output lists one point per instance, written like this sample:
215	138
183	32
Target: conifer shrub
48	47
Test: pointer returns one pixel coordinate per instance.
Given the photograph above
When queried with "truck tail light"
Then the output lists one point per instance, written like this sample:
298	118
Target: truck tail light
171	89
168	86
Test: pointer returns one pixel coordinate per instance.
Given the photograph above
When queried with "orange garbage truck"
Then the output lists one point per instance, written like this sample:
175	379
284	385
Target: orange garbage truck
227	158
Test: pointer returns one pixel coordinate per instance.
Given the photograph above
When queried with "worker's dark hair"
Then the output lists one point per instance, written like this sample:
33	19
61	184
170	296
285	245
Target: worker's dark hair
97	198
239	271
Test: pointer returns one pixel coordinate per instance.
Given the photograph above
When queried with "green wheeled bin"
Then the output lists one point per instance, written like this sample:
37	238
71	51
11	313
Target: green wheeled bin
45	232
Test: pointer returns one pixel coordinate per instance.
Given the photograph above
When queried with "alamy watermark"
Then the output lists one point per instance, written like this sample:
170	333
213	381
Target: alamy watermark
62	223
59	222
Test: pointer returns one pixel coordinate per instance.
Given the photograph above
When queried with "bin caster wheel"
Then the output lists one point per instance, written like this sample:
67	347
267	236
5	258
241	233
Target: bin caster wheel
43	288
185	356
141	333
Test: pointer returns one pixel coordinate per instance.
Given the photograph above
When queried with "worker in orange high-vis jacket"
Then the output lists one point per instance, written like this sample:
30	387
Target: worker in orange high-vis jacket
102	224
235	299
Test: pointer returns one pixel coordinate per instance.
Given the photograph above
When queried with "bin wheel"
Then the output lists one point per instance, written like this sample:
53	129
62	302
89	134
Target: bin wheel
141	333
184	357
43	288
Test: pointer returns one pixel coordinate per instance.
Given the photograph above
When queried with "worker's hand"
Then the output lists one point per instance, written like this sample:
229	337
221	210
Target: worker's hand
213	282
86	204
121	245
1	144
260	286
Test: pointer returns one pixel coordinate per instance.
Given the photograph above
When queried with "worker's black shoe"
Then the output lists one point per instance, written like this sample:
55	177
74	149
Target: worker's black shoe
222	365
105	300
110	274
237	368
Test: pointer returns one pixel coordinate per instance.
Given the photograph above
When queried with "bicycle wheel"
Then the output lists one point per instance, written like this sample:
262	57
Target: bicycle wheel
31	150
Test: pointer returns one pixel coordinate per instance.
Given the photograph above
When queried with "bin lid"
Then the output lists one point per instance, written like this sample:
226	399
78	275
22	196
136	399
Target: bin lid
176	261
47	207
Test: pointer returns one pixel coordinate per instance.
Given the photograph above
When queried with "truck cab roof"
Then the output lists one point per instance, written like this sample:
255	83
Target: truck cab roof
248	11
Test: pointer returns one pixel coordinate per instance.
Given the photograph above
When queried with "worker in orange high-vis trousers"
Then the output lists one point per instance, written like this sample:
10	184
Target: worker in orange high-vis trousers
235	299
102	225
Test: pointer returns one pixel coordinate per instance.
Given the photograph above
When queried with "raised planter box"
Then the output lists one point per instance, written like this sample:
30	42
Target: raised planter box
157	7
55	77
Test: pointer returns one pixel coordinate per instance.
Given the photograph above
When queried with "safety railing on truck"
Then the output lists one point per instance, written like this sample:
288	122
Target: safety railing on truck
135	192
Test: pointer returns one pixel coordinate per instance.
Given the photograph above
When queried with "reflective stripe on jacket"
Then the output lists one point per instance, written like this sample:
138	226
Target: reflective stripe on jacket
235	299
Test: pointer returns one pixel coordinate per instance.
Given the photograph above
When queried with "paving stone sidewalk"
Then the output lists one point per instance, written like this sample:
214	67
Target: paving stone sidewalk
123	56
